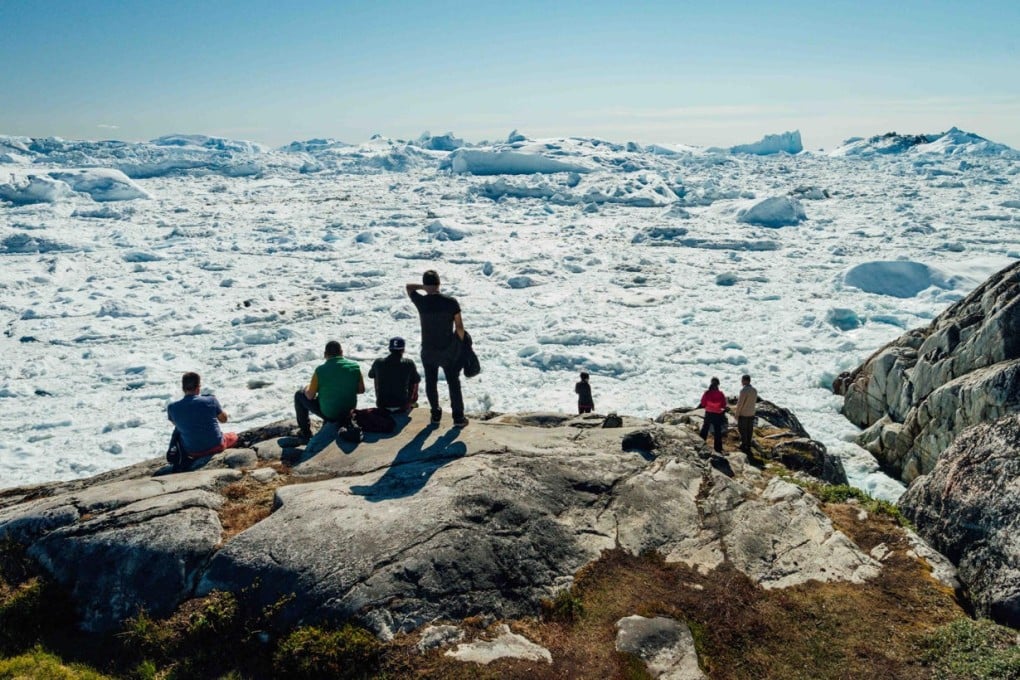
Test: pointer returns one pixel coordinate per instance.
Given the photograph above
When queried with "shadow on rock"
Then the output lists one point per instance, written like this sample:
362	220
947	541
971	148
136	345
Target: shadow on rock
413	466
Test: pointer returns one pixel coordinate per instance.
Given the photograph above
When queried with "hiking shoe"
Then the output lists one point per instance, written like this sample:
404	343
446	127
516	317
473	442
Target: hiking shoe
460	422
436	416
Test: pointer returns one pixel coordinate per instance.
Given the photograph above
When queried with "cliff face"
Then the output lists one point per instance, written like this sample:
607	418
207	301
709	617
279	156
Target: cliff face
426	523
968	508
918	393
941	407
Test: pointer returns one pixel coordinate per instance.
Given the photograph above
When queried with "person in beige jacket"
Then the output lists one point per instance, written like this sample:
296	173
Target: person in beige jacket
745	413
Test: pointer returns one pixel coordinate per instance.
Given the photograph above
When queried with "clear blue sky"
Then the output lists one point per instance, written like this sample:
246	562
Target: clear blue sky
706	73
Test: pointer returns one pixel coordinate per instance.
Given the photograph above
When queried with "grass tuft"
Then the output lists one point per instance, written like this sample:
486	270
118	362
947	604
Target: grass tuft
311	652
978	650
566	607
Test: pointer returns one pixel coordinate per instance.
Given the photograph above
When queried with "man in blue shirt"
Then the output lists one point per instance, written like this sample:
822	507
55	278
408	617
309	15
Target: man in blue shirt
197	419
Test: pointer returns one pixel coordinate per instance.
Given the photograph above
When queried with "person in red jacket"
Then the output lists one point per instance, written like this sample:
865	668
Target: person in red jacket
714	403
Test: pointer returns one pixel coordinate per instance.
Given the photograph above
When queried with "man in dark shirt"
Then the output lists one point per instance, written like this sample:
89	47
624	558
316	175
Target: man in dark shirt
396	379
441	332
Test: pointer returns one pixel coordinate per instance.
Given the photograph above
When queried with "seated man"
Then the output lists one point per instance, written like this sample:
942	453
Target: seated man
332	393
197	419
396	379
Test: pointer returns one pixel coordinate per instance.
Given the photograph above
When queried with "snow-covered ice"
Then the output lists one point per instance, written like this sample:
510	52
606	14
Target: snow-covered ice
627	261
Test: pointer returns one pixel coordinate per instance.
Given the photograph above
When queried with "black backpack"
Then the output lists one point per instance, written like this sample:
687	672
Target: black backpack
175	454
468	358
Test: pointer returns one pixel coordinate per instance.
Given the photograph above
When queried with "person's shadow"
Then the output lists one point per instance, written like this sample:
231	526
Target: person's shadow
413	466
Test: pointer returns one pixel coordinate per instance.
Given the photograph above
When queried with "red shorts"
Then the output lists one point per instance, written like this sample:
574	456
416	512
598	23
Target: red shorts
229	439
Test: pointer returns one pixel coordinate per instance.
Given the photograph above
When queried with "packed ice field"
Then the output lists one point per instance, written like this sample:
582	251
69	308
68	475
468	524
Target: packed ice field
653	268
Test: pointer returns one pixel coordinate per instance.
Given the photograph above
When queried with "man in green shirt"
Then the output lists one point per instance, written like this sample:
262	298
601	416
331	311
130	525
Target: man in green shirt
332	393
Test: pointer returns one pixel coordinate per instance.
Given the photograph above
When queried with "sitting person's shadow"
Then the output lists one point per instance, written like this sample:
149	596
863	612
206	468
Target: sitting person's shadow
413	466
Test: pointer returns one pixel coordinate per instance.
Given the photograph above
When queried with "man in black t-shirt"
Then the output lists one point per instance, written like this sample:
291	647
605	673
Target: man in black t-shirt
441	332
396	379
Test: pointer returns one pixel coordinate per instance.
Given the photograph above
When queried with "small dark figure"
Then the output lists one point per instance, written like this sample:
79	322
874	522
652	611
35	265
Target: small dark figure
585	404
714	403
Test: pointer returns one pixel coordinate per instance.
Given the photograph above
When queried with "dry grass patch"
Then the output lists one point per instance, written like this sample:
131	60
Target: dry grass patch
741	631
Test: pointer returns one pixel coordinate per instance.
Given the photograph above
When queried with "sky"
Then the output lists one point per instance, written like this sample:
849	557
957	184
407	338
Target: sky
701	73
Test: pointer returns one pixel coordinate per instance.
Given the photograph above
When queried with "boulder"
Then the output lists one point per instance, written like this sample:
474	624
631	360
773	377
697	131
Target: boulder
125	545
968	508
810	456
665	645
919	392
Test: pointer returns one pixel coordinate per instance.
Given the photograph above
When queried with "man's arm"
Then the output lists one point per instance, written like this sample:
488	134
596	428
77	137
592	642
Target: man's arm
222	416
458	325
313	387
412	287
361	383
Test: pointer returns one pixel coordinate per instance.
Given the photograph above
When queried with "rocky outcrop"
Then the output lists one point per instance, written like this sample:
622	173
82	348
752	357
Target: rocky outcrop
424	524
968	507
917	394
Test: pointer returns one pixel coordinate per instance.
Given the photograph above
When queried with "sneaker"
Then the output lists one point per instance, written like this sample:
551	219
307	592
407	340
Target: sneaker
460	422
437	416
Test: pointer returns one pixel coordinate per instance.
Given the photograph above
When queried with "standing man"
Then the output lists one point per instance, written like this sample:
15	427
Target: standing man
441	332
745	413
332	392
396	379
197	419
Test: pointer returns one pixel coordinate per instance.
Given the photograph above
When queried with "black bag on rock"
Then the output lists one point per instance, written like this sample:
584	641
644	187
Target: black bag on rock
374	420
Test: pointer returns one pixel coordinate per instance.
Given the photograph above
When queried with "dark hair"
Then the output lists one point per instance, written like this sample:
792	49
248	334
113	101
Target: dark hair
430	278
584	375
190	381
746	377
714	382
333	349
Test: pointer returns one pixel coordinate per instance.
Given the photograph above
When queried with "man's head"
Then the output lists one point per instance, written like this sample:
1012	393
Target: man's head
397	345
333	349
745	379
191	382
714	383
584	376
430	280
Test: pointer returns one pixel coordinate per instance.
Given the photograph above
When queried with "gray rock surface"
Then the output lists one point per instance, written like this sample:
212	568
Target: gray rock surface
506	645
124	545
438	636
968	508
918	393
665	645
429	523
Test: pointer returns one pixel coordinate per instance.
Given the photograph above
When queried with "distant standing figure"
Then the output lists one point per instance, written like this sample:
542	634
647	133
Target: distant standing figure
332	392
745	413
197	418
714	403
441	329
396	379
585	403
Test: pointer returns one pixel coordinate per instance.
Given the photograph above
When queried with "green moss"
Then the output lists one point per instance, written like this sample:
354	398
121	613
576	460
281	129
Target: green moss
312	652
844	493
566	607
978	650
41	665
